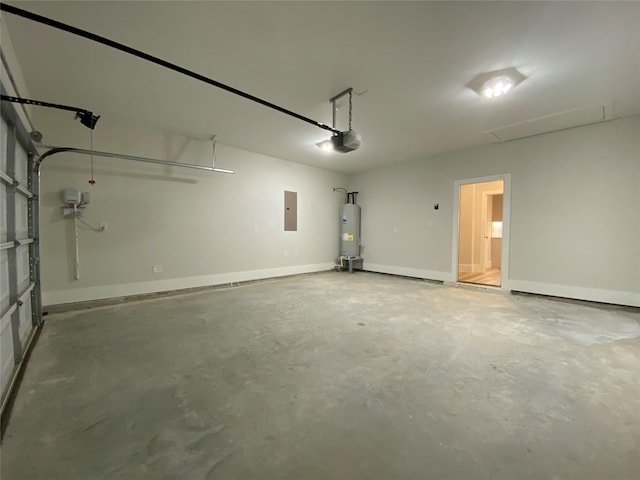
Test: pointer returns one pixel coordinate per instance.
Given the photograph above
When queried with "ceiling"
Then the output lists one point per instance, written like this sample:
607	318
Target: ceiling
413	60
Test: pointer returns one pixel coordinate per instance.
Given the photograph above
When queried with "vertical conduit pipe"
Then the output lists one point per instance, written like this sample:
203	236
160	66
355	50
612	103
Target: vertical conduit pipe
75	236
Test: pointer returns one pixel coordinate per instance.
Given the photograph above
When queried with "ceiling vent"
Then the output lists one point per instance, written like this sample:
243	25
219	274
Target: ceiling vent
553	122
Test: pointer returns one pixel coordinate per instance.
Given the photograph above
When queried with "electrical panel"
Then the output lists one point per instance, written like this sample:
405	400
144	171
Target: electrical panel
290	211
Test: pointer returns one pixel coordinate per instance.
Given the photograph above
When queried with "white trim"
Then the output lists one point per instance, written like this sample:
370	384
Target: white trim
506	232
410	272
578	293
57	297
473	227
485	260
483	233
506	224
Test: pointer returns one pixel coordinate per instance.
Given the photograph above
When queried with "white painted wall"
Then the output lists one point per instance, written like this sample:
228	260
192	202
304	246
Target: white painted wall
575	212
203	228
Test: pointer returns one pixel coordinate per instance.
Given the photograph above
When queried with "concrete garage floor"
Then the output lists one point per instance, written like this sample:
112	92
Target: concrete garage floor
332	376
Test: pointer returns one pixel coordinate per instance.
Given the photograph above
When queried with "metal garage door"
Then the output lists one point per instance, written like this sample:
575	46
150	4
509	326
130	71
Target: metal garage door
20	308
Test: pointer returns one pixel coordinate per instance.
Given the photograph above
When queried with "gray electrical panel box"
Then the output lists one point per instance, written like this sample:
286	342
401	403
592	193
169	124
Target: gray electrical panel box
290	211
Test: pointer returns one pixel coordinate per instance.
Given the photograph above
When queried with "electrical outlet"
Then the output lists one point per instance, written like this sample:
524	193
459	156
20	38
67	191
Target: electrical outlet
156	268
103	226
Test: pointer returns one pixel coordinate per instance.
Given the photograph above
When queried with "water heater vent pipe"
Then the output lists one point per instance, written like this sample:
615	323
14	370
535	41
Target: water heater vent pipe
346	194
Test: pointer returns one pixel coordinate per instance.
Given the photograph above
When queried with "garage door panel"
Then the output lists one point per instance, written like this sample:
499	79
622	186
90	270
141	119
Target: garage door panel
22	254
4	279
3	152
25	322
22	217
21	165
3	217
15	280
6	353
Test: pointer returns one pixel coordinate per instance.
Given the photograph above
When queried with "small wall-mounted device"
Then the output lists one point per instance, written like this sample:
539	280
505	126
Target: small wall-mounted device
74	202
72	196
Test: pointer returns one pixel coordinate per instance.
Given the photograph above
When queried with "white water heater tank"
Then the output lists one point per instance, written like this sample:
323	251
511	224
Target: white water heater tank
350	230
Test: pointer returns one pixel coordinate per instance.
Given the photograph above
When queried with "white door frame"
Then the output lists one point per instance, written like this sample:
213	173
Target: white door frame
506	220
486	228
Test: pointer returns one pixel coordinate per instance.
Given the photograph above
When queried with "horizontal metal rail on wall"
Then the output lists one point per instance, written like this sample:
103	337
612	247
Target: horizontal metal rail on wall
5	320
23	190
25	294
96	153
21	299
6	178
16	243
15	183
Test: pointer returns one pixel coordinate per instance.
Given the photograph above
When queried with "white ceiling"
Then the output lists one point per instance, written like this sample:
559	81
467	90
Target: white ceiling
412	58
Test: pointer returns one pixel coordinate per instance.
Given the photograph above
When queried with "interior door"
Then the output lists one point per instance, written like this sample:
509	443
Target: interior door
487	216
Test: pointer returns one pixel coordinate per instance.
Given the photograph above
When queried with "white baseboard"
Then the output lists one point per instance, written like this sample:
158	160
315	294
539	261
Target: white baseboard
410	272
84	294
57	297
579	293
566	291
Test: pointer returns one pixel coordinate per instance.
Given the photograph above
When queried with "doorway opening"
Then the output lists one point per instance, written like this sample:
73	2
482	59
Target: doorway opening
480	227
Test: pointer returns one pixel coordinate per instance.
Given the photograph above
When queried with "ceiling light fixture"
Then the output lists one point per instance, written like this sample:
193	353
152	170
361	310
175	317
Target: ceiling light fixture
496	83
325	146
497	86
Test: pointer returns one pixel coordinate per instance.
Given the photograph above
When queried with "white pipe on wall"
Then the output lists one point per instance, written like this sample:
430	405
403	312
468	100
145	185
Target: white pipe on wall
75	226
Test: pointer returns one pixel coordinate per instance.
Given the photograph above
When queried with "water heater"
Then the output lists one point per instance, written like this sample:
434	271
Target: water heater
350	228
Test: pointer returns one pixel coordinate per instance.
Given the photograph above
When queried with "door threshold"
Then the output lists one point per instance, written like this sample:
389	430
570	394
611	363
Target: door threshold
478	285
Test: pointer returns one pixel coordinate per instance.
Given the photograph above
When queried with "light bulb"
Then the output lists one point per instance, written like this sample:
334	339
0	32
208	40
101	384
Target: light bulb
325	146
495	87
